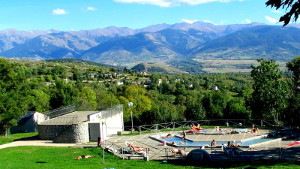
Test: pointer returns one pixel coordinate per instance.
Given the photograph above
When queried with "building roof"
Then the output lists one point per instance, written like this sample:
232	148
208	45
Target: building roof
70	118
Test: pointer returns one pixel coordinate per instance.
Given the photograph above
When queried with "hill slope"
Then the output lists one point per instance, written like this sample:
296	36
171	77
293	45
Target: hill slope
49	46
269	42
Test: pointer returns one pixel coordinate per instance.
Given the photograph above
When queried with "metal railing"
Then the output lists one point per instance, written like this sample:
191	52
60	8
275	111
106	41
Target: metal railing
215	122
112	111
60	111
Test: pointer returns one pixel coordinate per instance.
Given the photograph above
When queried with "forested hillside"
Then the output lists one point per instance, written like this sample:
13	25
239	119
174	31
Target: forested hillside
41	86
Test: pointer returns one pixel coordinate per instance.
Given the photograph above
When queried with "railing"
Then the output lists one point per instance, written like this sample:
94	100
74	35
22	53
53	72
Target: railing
215	122
112	111
60	111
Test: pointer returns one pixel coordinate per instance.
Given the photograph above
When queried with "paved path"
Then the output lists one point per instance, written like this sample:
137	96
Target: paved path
36	143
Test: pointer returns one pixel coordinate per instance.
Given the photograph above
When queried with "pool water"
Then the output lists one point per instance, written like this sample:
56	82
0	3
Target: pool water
256	141
246	142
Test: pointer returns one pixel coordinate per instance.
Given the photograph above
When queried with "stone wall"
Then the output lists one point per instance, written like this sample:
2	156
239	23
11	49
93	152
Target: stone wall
81	133
76	133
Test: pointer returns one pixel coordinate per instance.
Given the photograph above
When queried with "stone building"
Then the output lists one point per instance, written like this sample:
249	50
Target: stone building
82	126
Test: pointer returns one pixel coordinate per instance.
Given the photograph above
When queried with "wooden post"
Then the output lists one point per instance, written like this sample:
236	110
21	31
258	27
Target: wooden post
140	130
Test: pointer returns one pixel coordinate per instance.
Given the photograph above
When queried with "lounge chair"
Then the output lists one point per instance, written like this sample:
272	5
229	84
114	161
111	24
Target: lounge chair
141	151
178	152
197	131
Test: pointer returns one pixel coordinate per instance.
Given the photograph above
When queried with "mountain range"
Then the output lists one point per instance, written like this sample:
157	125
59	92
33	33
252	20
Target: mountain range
162	43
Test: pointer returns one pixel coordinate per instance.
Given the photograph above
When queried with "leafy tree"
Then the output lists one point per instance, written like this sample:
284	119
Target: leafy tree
63	94
293	112
194	108
126	109
106	99
237	109
87	99
137	95
214	103
38	100
162	111
59	71
294	66
271	91
12	93
292	8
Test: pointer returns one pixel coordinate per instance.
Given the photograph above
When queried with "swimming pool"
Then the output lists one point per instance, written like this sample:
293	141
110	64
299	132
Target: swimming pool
258	140
249	142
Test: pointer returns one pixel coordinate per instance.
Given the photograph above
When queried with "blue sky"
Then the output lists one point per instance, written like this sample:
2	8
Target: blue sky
92	14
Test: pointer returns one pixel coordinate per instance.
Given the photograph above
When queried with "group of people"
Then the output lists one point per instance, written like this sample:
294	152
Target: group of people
229	144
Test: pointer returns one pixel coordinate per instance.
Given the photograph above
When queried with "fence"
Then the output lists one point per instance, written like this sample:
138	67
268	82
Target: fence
60	111
112	111
215	122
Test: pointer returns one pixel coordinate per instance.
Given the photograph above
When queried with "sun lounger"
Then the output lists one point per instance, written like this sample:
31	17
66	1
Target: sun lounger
194	131
178	152
294	143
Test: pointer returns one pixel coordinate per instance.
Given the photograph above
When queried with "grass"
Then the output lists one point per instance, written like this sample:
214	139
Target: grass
63	158
14	137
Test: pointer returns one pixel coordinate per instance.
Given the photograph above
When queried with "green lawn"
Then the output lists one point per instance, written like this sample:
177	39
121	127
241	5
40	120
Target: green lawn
63	158
13	137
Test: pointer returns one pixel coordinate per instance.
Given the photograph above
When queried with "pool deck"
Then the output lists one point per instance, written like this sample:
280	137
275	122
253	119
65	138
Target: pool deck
277	150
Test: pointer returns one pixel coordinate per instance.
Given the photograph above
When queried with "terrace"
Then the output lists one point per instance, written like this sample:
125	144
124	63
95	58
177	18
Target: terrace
273	150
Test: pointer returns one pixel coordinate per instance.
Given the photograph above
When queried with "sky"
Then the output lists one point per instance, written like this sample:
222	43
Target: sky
66	15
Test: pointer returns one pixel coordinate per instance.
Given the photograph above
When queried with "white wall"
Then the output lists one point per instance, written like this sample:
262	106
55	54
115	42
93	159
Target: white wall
112	124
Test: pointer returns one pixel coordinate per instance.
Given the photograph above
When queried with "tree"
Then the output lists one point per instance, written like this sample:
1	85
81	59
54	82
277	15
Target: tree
63	94
12	93
214	103
271	91
194	108
38	100
292	8
86	99
236	108
292	114
105	99
141	102
294	66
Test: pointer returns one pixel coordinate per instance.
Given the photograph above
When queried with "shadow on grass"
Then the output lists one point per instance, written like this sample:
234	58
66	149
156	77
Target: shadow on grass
239	164
28	138
40	162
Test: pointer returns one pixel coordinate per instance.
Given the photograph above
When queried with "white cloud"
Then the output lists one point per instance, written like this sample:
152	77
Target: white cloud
90	8
271	20
207	21
248	21
189	21
168	3
275	11
59	11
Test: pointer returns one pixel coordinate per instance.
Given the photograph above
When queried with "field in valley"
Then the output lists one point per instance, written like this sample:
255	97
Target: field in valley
230	66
